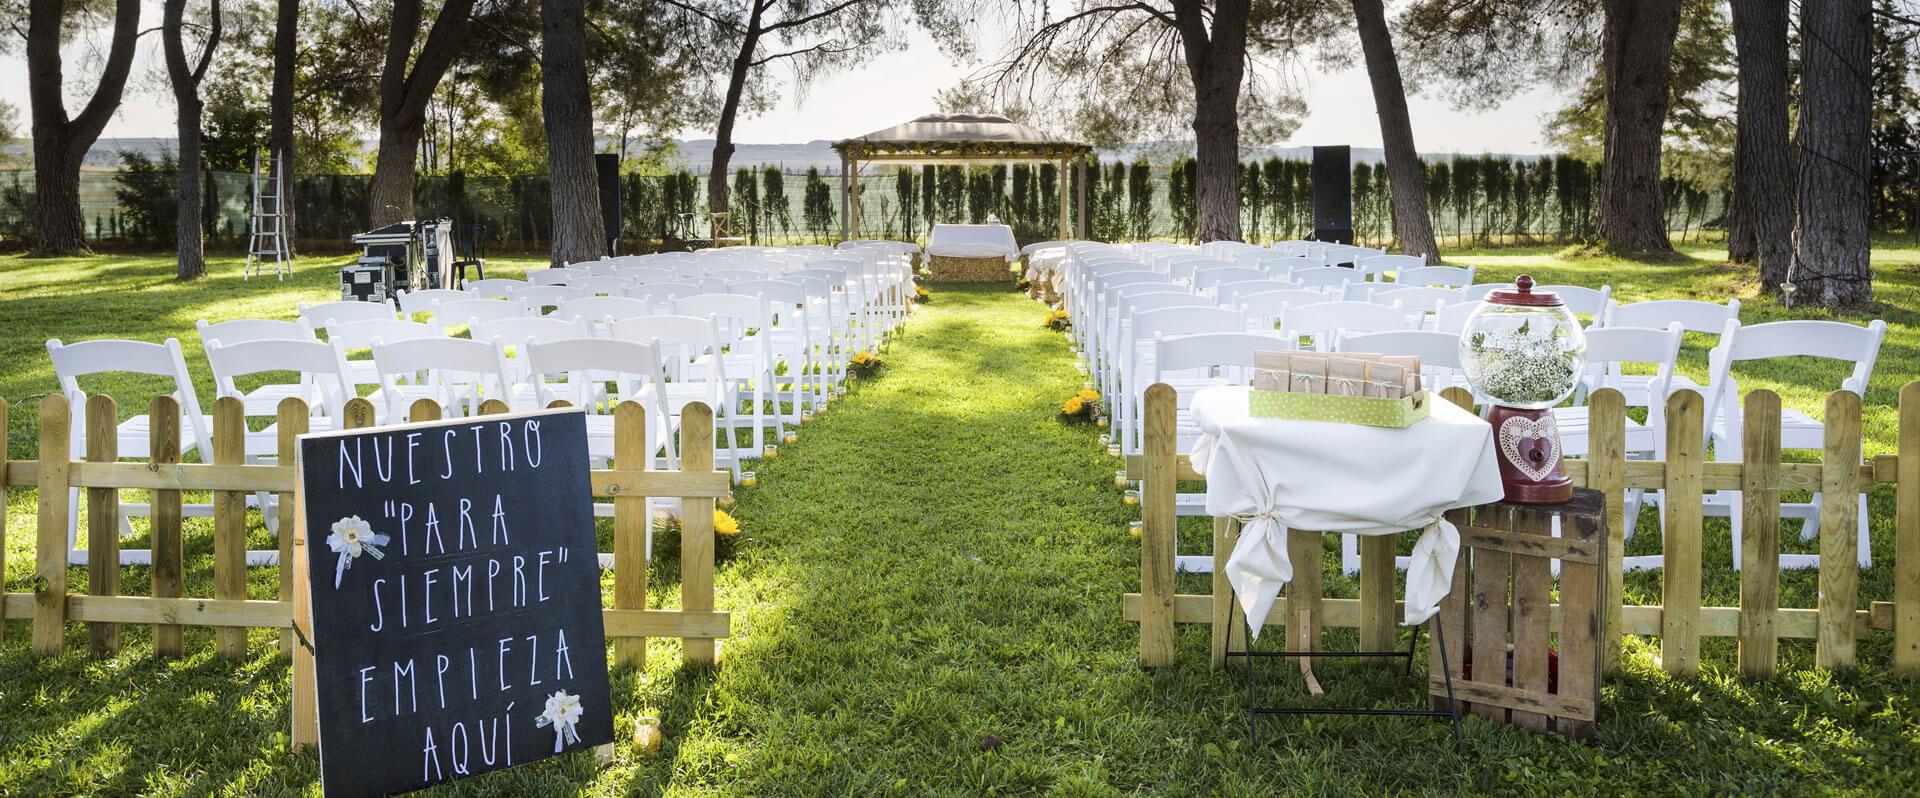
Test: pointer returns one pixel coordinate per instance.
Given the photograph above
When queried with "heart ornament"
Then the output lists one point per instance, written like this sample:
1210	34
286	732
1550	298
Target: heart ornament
1532	447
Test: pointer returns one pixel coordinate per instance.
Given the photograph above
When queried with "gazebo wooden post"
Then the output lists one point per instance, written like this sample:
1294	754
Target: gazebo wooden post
1080	187
845	214
1065	232
853	200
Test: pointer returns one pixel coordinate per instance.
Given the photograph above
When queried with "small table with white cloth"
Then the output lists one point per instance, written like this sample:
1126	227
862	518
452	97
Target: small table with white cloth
1276	475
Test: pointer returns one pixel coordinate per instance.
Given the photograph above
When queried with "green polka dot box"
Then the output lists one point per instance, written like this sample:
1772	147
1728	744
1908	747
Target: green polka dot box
1370	411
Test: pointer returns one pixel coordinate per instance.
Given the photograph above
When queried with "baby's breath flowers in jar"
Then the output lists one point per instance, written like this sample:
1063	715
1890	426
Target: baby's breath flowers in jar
1523	351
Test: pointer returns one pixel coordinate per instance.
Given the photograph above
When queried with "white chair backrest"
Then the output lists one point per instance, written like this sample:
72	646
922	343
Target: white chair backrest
1481	290
1410	296
1325	277
483	363
646	274
87	358
538	298
356	335
468	311
1833	340
1135	305
1207	279
237	330
318	316
1225	355
735	313
498	287
321	365
1453	318
595	308
1265	308
424	301
1377	267
634	366
1327	322
1608	348
1694	315
1450	276
1439	353
1226	293
1591	302
1154	324
613	285
560	276
521	329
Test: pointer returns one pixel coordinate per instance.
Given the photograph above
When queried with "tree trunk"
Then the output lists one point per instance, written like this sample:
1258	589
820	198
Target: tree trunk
1216	60
1406	178
1761	230
1636	61
189	235
286	31
60	143
1830	243
729	110
578	231
404	94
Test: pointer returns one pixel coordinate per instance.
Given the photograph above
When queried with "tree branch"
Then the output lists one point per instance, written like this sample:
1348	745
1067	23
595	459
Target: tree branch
813	17
828	46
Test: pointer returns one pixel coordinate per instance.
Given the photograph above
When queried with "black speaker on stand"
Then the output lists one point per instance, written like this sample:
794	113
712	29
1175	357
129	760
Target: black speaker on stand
607	167
1333	194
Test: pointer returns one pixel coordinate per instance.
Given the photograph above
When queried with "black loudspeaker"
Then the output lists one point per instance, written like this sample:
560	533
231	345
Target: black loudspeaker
1333	194
607	167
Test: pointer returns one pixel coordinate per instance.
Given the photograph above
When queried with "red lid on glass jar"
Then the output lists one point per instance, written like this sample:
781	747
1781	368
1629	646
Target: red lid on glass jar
1522	294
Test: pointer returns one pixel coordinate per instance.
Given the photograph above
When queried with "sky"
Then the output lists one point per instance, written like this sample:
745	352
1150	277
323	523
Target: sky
898	86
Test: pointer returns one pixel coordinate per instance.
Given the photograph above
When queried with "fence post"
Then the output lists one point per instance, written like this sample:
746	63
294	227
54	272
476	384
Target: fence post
1680	572
1607	473
230	522
169	566
696	529
1760	535
423	409
1839	519
1157	531
50	546
631	524
292	415
1906	554
103	520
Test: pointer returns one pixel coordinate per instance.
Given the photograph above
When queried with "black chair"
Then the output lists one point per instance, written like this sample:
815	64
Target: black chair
467	240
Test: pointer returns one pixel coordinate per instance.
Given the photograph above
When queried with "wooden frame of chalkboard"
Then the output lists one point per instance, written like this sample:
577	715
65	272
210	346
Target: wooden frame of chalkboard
454	613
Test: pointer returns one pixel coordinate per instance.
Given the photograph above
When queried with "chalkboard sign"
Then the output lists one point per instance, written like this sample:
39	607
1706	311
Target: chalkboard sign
455	590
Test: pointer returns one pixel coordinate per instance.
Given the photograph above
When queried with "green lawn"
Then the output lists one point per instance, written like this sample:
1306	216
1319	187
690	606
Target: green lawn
927	602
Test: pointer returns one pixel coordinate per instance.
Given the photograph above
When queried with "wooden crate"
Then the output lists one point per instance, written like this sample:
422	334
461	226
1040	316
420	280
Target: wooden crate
949	269
1499	615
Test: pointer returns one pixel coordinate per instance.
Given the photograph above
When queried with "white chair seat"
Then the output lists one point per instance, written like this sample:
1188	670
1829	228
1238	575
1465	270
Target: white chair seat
1574	432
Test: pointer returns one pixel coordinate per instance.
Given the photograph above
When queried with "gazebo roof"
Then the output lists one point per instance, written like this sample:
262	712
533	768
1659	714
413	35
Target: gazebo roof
959	137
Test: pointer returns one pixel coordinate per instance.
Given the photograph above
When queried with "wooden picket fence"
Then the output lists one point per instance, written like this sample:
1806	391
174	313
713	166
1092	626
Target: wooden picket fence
231	479
1686	476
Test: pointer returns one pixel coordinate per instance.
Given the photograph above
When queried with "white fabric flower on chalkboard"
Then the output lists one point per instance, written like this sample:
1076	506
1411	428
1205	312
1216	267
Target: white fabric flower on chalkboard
562	713
351	538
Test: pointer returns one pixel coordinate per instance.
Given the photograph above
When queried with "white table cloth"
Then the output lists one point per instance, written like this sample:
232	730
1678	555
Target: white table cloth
973	241
1280	474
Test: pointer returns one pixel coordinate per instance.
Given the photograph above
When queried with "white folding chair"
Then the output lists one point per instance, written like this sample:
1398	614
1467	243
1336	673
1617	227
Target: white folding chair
1330	279
597	308
358	336
560	276
1377	267
748	358
689	348
513	335
71	362
1830	340
1694	316
538	298
1589	302
262	399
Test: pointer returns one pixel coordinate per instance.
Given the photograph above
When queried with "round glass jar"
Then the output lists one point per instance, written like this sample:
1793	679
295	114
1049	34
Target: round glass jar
1522	348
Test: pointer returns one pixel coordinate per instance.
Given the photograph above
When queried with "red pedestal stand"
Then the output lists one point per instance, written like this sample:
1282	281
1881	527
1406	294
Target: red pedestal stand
1528	442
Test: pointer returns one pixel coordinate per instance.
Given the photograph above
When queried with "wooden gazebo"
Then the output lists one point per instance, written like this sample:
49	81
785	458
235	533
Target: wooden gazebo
958	138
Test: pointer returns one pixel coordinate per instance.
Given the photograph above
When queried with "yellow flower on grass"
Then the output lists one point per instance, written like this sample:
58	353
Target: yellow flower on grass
922	291
1073	406
862	357
724	524
1088	395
